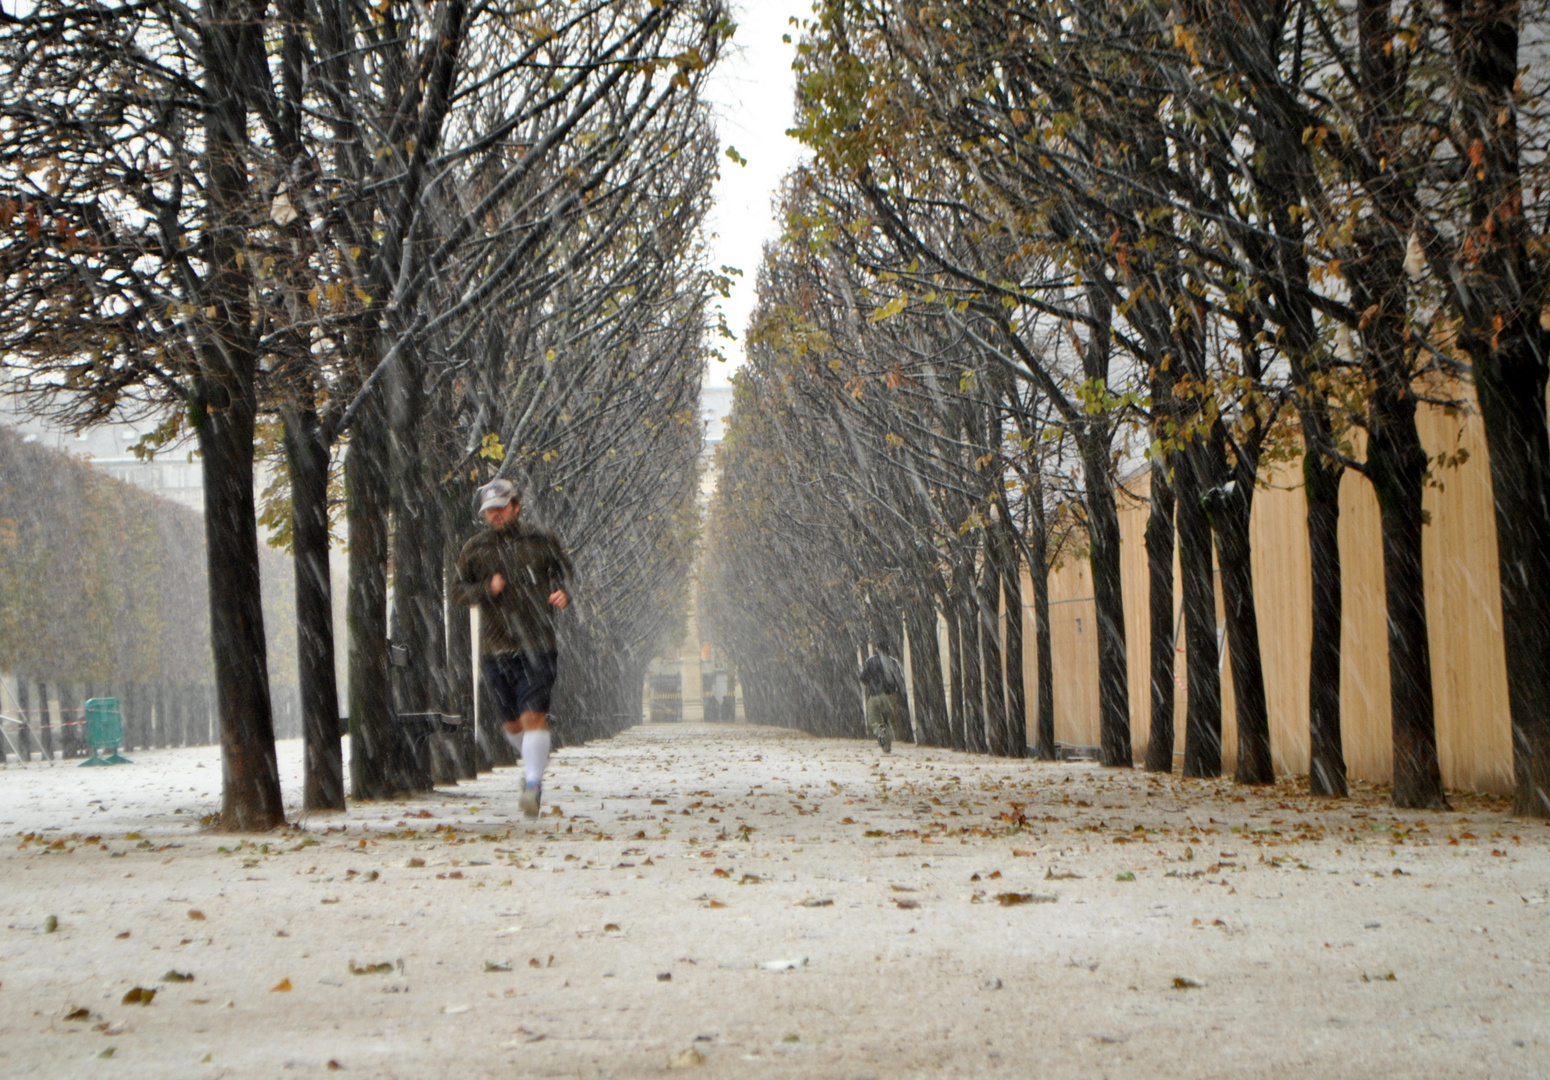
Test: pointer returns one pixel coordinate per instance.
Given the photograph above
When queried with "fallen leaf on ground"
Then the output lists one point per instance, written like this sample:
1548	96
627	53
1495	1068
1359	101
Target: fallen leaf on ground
196	915
491	965
906	904
370	969
139	996
1181	982
177	977
51	924
78	1014
415	863
281	987
1012	899
815	902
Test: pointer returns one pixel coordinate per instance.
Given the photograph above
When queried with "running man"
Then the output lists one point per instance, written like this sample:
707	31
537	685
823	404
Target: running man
882	680
517	577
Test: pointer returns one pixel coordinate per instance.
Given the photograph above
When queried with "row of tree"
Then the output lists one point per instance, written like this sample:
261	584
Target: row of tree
104	589
1038	244
432	243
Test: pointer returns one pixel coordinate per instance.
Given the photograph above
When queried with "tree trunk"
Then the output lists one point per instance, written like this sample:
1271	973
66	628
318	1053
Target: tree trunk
250	793
307	454
72	733
926	674
1396	463
376	741
973	674
1203	717
1038	571
1159	563
45	722
224	407
23	708
1231	508
1016	688
414	559
989	595
1108	602
1321	485
1511	388
1397	466
1499	289
460	650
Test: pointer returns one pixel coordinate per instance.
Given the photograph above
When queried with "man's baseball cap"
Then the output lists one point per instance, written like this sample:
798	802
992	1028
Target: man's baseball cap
497	493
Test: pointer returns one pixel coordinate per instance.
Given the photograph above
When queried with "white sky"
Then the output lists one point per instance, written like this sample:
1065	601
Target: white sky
752	90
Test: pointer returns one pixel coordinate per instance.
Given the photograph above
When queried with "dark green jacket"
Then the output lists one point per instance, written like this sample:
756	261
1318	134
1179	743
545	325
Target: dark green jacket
534	565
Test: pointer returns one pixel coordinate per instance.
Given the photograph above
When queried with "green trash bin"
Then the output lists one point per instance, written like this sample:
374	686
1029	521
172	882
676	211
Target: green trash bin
104	731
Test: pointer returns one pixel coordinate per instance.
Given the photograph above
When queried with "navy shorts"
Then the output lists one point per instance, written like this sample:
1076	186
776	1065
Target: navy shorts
519	682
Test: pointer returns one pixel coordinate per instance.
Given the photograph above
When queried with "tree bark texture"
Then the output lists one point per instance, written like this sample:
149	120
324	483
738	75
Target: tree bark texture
224	408
1397	465
307	454
926	674
989	594
1321	485
1231	508
376	741
1203	716
1016	687
973	672
24	707
1499	292
460	647
1159	564
412	559
1038	571
1108	603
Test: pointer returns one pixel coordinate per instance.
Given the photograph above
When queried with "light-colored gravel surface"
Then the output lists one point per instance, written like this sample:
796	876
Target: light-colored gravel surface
1264	934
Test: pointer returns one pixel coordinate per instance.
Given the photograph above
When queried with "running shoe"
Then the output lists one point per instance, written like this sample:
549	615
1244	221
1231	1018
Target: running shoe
885	742
531	794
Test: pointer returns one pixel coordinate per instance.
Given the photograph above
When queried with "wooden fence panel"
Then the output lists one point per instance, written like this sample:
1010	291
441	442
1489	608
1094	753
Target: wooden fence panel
1463	611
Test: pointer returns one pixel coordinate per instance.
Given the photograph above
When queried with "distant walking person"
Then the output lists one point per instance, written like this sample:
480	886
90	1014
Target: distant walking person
517	577
882	679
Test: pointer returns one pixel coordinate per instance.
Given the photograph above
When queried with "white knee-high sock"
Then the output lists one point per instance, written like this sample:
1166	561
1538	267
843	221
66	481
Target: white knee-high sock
514	740
535	754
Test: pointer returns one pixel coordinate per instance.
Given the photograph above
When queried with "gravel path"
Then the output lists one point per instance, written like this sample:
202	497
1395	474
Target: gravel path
938	914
